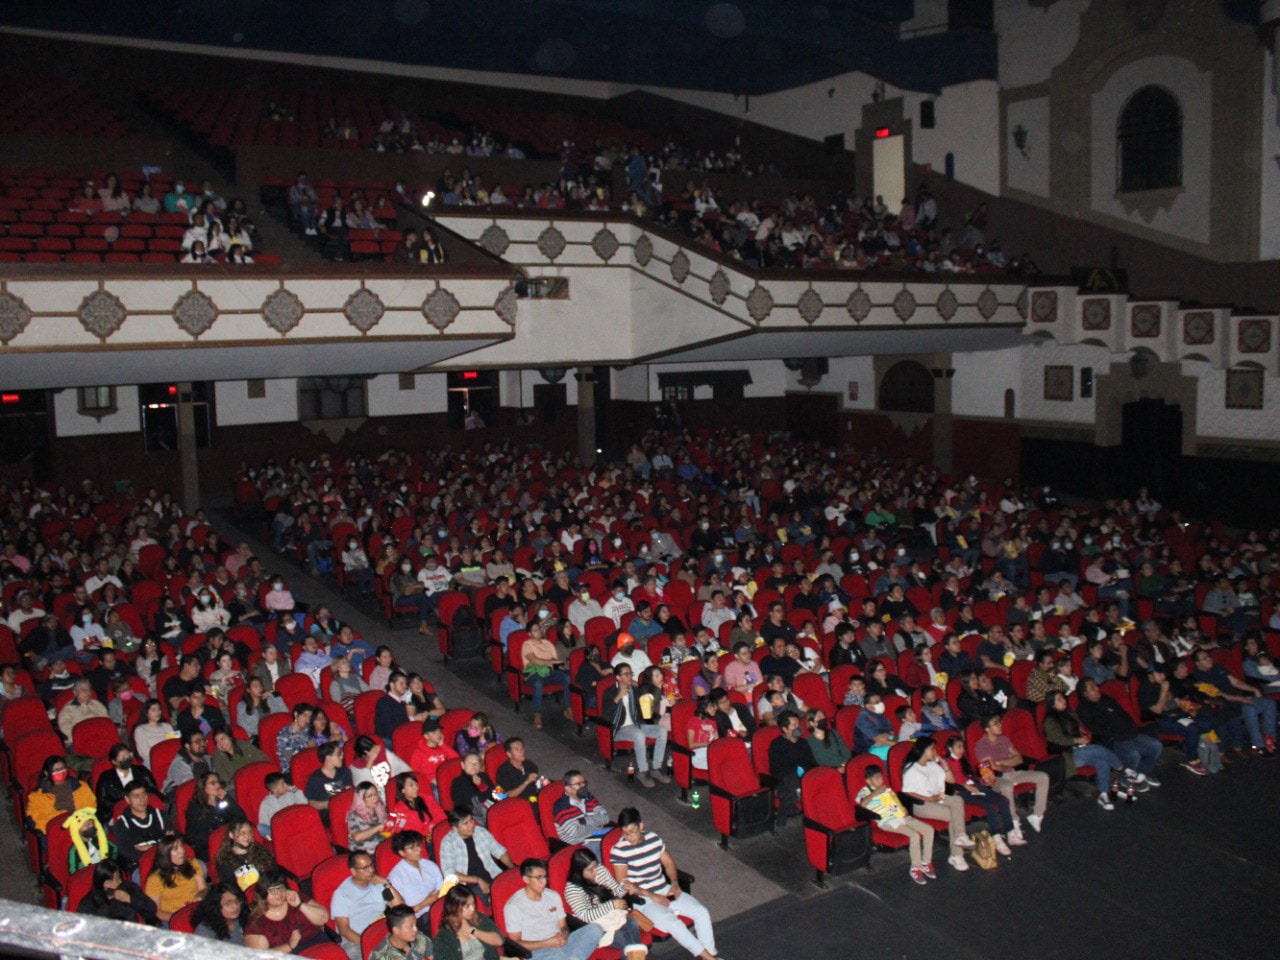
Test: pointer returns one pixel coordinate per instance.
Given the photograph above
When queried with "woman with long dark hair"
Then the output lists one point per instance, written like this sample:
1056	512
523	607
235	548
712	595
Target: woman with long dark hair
465	933
209	809
595	897
116	897
281	918
221	914
176	880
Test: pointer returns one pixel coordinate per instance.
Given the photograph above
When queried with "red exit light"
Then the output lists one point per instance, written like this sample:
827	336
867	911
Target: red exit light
173	390
882	132
470	375
10	398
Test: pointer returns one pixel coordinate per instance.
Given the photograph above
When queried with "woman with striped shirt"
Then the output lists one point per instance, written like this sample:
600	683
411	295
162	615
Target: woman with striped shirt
595	897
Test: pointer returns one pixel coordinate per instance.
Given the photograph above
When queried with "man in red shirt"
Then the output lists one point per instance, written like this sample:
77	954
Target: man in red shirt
432	751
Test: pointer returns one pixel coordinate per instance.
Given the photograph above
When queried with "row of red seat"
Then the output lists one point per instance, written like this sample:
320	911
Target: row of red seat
46	107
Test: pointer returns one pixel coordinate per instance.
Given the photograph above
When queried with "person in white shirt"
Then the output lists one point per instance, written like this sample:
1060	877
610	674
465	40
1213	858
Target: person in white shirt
27	610
583	608
434	577
924	779
631	655
416	878
717	613
101	577
571	536
618	605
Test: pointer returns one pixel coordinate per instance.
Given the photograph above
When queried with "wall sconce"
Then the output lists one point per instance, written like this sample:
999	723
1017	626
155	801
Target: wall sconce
1020	141
1139	365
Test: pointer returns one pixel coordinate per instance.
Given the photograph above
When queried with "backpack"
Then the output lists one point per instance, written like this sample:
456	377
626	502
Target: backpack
1210	755
465	637
984	850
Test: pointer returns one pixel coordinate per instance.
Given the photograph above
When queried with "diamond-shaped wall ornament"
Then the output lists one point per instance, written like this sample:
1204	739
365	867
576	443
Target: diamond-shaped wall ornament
551	242
605	244
1197	328
495	240
507	305
859	305
1022	303
14	316
195	312
441	308
1095	314
1044	306
988	303
363	309
644	250
810	305
759	303
904	305
680	267
947	304
282	310
718	287
1144	321
102	313
1254	336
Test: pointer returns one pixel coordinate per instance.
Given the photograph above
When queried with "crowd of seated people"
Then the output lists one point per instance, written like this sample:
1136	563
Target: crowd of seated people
233	764
149	216
771	579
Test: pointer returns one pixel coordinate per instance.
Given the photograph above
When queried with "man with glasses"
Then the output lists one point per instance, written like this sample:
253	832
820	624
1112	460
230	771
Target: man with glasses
535	918
580	817
469	852
358	901
644	867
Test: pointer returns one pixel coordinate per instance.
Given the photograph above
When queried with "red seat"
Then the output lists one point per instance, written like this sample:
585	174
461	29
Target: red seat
182	795
161	756
94	737
303	764
366	706
836	839
372	936
181	921
299	839
855	778
740	806
339	806
296	688
682	770
327	876
514	825
547	798
79	886
269	728
249	788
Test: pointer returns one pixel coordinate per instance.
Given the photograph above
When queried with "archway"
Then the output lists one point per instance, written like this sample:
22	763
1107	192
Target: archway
907	387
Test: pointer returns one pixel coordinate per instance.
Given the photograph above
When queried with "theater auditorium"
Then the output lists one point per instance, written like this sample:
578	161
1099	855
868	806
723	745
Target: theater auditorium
588	480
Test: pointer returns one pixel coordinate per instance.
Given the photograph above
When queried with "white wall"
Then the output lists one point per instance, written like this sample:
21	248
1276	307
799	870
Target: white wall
68	422
1031	404
1213	419
841	372
631	383
1187	215
1035	38
1269	222
1029	173
386	399
977	389
967	124
280	405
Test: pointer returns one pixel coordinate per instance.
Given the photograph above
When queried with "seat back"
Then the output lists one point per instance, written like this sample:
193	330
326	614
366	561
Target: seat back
446	773
296	688
372	936
545	806
161	757
269	728
299	839
249	788
813	690
339	806
513	824
504	885
327	876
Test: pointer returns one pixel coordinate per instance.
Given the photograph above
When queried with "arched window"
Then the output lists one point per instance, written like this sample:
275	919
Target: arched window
1149	141
907	387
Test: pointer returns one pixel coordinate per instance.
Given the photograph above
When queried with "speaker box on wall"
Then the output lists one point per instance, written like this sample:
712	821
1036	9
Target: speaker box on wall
926	114
1086	382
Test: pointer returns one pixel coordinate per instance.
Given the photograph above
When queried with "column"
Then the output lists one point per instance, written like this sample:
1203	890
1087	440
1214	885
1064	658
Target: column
187	449
586	415
942	420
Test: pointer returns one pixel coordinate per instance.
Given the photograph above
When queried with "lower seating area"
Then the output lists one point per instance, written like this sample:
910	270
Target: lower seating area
44	107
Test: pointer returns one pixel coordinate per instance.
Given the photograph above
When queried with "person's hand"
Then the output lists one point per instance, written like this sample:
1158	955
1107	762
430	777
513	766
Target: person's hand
295	938
471	933
620	904
559	940
121	894
292	899
531	778
483	885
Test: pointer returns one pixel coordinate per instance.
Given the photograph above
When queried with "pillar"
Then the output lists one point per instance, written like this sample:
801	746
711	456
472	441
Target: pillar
187	449
943	433
586	415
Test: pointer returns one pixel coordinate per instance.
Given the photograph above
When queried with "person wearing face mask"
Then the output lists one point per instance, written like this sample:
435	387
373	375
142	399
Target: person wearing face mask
410	593
873	731
355	563
790	758
87	636
208	612
619	604
583	608
58	791
115	782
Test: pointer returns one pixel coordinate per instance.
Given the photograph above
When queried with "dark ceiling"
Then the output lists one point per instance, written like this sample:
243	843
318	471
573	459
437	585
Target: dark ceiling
740	47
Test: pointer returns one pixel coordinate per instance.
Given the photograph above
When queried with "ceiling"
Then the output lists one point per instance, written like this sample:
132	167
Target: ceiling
732	46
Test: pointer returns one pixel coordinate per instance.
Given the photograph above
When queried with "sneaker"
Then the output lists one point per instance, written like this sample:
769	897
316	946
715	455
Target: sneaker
918	876
1134	775
1105	803
958	863
928	871
660	776
1267	754
1196	767
1151	781
1016	839
645	781
1002	848
964	840
310	231
1036	820
1133	786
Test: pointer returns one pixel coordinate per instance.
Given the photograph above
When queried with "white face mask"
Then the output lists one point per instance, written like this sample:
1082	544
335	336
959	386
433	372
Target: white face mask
876	707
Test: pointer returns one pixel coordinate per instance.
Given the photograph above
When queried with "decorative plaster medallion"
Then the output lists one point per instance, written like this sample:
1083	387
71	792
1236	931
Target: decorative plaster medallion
1144	321
195	312
495	240
947	304
810	305
759	303
363	310
1022	303
904	305
680	267
859	305
1254	336
1095	314
1197	328
605	244
14	316
102	313
282	310
507	305
1245	389
988	303
551	242
718	287
644	250
1044	306
441	308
